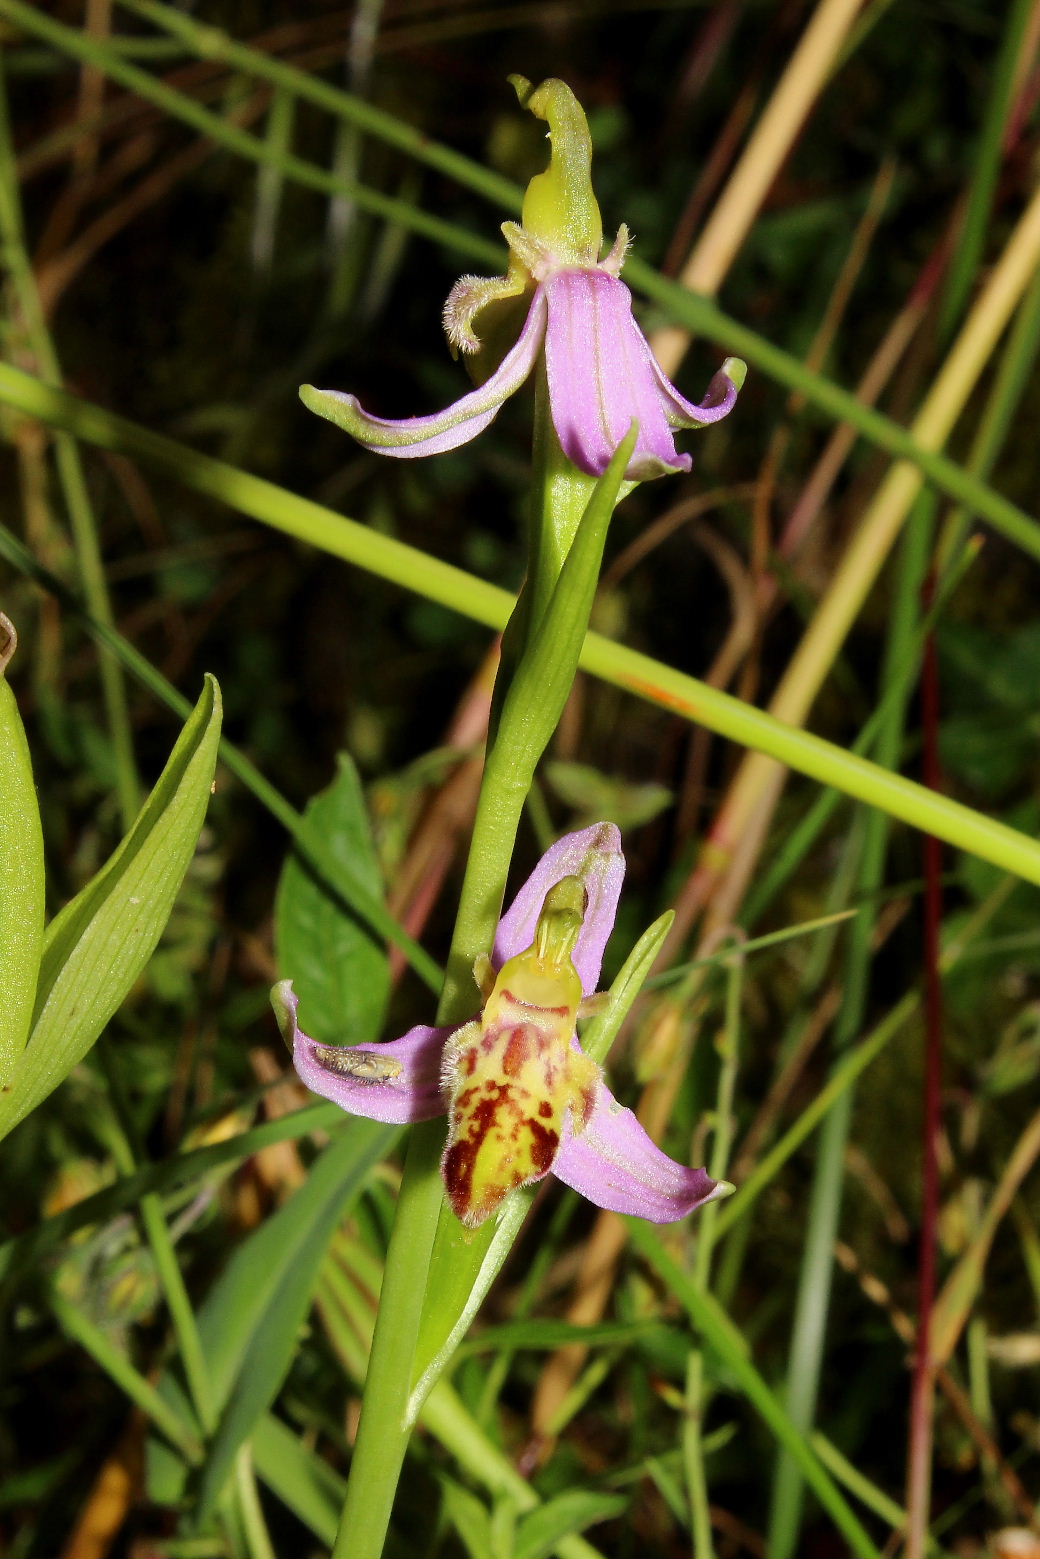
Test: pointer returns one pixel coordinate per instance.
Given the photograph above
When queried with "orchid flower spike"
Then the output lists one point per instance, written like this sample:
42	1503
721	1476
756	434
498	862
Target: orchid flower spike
601	373
521	1096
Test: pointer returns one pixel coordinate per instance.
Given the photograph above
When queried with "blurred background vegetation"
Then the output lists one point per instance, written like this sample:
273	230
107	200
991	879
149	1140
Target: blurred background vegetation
189	289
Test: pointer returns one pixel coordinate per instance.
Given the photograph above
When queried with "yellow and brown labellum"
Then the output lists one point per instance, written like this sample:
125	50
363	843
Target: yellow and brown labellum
515	1074
512	1086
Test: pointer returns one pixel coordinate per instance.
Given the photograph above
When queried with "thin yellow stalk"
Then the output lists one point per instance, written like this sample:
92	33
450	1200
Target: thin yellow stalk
749	183
1027	53
954	1303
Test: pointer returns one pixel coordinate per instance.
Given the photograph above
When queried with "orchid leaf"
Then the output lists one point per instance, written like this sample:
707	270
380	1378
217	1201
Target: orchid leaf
539	1533
21	902
99	943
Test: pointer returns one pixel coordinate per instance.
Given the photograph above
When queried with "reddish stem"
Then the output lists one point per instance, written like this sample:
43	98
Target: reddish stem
923	1391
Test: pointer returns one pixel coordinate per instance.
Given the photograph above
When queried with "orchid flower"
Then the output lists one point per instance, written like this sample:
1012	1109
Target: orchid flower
600	371
521	1096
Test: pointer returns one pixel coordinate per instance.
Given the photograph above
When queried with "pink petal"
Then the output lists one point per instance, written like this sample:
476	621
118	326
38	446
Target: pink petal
616	1165
719	399
594	855
602	377
411	437
355	1076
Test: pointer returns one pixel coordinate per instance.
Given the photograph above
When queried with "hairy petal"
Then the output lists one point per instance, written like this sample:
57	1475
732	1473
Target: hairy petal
594	855
601	377
615	1164
468	297
411	437
396	1082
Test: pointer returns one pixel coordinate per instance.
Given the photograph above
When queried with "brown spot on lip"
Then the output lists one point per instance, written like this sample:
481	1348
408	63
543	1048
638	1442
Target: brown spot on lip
544	1146
457	1169
518	1050
545	1109
532	1006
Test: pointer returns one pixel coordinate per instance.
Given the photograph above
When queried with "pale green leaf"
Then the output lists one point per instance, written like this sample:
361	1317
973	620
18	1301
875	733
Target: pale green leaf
21	871
97	946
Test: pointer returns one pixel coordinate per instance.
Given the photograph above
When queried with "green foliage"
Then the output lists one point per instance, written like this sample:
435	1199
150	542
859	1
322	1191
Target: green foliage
96	947
250	1321
340	971
21	902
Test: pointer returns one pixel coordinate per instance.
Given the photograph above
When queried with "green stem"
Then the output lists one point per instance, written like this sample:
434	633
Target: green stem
254	1527
849	1069
382	1439
559	493
966	259
722	1335
697	1397
559	497
1013	377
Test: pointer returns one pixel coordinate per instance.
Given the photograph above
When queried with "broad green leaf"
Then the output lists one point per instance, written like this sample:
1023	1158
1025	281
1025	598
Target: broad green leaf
539	1533
250	1322
21	871
97	946
339	969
